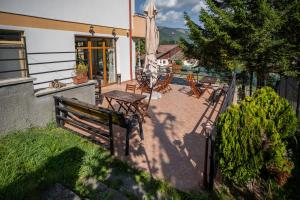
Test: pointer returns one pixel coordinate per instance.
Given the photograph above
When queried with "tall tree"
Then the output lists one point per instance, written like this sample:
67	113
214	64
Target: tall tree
247	33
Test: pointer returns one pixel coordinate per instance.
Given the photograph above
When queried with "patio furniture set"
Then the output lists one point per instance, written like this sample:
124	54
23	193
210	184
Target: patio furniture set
126	109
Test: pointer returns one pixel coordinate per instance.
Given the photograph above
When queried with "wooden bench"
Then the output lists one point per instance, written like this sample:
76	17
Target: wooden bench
84	118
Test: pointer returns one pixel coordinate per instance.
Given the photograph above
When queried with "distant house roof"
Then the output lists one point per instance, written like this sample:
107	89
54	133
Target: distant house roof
167	51
178	56
166	48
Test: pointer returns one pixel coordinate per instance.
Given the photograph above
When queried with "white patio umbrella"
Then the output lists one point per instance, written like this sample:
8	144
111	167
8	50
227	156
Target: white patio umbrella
152	41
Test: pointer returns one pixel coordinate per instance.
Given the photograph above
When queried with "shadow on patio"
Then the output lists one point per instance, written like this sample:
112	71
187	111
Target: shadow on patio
174	145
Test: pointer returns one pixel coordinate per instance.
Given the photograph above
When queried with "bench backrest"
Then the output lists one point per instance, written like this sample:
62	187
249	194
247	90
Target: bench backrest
93	112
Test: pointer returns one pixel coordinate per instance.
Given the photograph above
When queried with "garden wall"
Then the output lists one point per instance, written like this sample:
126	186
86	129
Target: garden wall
21	107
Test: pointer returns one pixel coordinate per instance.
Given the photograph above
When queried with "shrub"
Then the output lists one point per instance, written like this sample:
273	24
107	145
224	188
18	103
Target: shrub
252	138
81	68
178	62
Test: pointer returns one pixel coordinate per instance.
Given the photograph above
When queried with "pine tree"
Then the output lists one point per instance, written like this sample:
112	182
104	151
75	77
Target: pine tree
249	33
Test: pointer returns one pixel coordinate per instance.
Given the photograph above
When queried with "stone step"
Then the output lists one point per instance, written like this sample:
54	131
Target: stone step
102	189
58	191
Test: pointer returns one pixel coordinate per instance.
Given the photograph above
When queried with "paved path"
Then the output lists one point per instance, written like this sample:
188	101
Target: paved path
174	145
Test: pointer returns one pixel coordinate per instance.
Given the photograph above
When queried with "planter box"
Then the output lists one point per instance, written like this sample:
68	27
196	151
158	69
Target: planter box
80	79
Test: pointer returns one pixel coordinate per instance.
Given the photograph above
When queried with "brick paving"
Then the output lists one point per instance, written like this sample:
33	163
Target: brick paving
174	145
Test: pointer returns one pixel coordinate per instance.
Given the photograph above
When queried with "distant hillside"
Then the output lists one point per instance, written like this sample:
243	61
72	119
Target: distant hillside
171	35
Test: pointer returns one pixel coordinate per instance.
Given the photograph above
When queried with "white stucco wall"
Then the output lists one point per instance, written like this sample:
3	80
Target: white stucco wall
112	13
45	40
163	62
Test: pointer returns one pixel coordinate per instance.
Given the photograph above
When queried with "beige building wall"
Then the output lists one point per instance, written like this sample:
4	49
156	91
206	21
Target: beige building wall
139	26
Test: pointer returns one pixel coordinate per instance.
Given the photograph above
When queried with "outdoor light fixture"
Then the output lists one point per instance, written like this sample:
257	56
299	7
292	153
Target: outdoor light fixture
114	33
91	31
127	33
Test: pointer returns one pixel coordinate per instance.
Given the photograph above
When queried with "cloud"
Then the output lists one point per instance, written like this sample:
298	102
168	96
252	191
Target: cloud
166	3
199	6
179	4
173	4
171	15
170	12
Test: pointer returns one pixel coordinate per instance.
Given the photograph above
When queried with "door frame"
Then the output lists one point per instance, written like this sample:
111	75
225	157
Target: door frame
90	49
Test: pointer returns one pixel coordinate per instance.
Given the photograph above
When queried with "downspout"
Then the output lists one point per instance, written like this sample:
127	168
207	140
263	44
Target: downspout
130	38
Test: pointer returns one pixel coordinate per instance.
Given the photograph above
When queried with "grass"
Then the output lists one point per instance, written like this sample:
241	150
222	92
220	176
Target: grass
37	158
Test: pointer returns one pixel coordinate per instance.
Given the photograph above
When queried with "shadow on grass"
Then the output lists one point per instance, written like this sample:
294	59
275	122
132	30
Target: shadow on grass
63	168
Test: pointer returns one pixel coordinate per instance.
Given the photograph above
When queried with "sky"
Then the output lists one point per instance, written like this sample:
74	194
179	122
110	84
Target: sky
171	11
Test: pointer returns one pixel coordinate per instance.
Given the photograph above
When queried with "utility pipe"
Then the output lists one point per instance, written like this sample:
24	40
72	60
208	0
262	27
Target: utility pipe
130	38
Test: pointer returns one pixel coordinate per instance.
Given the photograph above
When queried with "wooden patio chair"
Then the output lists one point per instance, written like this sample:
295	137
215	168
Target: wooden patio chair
189	77
164	84
130	88
169	81
159	86
196	89
144	105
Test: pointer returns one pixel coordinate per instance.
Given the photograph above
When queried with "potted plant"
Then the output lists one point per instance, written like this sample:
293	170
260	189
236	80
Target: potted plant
80	73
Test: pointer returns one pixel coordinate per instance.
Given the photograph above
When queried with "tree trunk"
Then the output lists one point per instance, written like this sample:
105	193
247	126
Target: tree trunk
251	82
244	85
260	79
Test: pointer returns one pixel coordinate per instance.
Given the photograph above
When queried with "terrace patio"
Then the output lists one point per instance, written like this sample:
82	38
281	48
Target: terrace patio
174	144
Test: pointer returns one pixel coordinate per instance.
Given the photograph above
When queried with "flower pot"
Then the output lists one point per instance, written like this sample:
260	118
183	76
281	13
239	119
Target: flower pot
79	79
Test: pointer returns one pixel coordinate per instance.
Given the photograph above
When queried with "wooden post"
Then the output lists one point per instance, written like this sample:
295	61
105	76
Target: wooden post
212	162
128	130
57	112
208	132
104	64
111	136
90	58
205	183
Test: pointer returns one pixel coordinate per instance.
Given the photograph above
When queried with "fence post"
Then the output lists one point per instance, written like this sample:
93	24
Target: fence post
208	132
212	166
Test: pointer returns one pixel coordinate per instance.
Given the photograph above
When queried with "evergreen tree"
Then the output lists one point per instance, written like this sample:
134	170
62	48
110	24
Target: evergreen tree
249	33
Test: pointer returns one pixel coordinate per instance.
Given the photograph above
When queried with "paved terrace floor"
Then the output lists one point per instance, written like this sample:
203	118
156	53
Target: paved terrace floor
174	146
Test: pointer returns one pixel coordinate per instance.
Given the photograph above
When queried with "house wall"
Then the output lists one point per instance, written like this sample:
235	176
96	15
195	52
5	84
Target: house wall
21	108
139	26
112	13
45	34
163	62
44	40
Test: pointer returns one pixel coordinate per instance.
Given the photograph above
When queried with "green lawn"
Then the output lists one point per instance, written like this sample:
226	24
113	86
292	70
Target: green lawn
35	159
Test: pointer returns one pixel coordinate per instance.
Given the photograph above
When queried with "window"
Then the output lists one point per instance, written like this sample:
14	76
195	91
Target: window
100	55
12	54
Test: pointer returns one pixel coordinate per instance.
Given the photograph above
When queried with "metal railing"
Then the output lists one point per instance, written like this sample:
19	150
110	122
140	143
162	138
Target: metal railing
228	99
27	64
198	73
51	62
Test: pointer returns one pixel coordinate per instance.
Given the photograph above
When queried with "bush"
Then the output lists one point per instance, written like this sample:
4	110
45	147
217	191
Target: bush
252	138
178	62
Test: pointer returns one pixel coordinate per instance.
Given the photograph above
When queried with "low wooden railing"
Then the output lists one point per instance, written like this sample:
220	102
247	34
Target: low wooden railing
228	99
